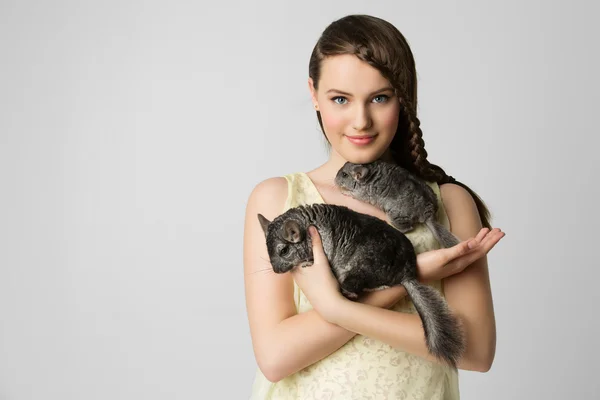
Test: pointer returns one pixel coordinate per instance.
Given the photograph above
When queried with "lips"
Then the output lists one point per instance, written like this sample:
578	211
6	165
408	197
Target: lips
361	140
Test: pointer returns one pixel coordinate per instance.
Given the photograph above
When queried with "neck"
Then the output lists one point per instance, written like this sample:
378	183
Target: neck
336	162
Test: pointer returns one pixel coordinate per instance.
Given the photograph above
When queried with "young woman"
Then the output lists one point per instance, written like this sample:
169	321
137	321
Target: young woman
309	341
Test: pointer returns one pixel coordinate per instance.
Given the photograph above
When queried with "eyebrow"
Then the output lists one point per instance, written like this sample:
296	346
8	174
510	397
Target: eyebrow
372	93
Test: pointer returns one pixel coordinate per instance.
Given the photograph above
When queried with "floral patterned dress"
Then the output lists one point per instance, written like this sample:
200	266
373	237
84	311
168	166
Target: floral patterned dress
363	368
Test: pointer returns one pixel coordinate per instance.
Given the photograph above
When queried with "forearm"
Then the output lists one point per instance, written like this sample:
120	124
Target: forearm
398	329
300	341
303	339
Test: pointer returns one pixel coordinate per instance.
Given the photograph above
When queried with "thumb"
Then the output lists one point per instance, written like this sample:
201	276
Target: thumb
466	246
317	244
461	249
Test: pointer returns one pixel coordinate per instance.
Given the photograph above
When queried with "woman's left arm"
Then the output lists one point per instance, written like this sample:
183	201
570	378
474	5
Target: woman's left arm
468	294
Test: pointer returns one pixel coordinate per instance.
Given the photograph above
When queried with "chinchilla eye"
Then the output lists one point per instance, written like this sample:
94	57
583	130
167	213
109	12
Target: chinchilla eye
284	251
345	174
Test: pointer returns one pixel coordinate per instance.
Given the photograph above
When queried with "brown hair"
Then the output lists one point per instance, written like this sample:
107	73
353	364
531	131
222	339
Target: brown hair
381	45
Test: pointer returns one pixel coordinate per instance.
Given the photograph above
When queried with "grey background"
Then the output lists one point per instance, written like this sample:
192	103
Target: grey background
132	132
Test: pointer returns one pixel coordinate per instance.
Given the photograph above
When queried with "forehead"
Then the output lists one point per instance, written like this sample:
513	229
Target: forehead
350	74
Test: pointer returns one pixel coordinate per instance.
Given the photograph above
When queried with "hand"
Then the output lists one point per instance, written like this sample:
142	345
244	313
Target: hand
317	281
438	264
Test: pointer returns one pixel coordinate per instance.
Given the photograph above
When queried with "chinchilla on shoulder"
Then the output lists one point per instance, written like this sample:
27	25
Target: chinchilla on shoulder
365	253
406	199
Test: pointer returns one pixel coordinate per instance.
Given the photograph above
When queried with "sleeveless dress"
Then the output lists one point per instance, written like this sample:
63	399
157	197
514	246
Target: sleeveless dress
363	368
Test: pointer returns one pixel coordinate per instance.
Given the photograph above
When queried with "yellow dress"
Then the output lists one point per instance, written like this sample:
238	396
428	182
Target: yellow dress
363	368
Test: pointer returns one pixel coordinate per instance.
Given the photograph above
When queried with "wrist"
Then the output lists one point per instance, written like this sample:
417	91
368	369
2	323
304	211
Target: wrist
337	310
330	311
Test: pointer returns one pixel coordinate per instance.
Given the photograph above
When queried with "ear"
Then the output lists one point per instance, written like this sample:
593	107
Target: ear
360	172
292	232
312	90
264	223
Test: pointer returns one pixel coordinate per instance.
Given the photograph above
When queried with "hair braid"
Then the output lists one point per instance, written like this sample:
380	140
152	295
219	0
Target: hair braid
381	45
422	167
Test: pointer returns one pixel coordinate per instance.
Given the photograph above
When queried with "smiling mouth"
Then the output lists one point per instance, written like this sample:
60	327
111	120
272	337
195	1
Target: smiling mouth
361	140
361	136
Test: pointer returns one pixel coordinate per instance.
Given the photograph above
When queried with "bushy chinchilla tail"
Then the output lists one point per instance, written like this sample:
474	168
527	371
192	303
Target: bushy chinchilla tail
443	333
443	235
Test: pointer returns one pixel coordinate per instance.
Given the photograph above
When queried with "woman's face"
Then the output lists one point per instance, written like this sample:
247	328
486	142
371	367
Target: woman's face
358	108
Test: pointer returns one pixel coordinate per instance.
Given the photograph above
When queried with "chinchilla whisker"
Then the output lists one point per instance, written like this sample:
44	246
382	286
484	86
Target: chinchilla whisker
330	184
266	270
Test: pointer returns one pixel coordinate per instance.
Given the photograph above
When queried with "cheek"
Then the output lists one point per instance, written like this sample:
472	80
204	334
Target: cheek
333	122
390	119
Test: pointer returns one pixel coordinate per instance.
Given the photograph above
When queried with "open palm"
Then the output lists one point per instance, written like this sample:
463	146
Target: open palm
438	264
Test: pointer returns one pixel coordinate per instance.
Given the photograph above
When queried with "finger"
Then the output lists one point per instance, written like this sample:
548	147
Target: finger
459	255
493	236
493	240
482	250
488	242
482	234
479	238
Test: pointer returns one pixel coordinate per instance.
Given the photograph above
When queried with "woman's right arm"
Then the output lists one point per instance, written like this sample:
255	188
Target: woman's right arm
284	341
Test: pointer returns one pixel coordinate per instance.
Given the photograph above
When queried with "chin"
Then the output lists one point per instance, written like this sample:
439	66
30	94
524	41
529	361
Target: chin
362	157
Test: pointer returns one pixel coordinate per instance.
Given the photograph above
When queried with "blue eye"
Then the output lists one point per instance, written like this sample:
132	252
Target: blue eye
384	97
338	97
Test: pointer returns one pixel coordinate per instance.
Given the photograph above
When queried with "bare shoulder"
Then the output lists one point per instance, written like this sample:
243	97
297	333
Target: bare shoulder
455	195
268	196
461	210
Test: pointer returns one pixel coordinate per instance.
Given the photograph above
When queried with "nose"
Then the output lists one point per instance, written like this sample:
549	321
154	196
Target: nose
362	119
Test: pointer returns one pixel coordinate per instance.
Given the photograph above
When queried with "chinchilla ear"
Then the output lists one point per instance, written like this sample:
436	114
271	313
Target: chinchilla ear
292	232
264	223
360	172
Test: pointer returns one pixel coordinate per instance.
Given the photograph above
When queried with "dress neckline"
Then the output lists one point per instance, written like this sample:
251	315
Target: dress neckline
313	187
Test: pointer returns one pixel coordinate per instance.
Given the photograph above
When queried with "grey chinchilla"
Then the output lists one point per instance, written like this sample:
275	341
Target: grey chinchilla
365	254
405	199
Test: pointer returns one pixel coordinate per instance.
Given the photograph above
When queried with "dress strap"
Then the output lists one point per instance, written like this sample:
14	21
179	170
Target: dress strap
301	190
